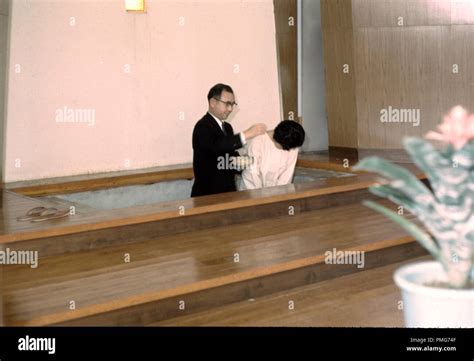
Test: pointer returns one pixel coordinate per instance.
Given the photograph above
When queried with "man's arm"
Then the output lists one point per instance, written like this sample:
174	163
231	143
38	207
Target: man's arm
206	138
251	176
209	140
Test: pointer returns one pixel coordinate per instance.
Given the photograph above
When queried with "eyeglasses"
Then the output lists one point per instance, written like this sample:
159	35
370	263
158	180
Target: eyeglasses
227	104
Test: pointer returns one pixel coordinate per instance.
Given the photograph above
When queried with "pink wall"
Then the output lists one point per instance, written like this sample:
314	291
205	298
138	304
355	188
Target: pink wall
4	17
134	76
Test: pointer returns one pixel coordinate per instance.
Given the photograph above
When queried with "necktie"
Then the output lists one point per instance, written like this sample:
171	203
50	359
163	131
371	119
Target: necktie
223	129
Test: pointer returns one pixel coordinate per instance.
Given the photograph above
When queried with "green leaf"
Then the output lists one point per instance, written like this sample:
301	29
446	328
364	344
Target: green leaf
440	168
394	195
412	186
425	156
420	235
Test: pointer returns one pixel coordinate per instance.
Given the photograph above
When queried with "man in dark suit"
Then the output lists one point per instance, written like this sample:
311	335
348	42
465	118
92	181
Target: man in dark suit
214	141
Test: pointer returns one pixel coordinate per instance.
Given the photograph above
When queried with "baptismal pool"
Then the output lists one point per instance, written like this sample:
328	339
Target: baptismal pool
136	195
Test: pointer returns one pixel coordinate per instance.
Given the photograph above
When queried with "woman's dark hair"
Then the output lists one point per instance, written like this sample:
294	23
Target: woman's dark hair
289	134
217	90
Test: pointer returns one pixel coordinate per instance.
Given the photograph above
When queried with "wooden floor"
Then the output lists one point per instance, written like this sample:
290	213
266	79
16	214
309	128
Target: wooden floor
365	299
100	281
15	204
224	249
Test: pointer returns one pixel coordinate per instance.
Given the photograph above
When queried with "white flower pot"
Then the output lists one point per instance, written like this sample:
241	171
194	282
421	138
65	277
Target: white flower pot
431	307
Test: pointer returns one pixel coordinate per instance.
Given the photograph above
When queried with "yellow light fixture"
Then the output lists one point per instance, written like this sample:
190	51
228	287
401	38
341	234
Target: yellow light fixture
135	6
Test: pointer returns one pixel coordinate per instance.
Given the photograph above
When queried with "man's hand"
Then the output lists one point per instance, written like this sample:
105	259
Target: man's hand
255	130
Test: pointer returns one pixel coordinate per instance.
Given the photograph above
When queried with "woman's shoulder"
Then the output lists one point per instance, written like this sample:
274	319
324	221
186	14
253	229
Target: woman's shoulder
259	139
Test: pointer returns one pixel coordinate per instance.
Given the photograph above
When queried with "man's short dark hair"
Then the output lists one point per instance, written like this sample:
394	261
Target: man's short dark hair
289	134
217	90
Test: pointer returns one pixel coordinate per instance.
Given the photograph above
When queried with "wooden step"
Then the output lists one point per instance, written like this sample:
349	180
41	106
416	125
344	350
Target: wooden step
229	293
272	253
94	229
364	299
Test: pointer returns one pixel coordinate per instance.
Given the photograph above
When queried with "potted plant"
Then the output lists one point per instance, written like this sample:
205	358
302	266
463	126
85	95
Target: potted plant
436	293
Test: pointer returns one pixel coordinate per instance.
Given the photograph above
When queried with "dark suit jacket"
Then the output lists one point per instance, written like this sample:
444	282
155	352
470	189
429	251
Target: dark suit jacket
210	143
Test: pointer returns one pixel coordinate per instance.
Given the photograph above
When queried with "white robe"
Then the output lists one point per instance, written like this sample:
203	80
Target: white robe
270	166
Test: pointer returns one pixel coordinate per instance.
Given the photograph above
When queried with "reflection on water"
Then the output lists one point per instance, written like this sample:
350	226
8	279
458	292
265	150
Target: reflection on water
303	179
303	175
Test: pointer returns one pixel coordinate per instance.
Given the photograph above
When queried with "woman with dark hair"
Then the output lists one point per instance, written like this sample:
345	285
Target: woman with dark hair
273	156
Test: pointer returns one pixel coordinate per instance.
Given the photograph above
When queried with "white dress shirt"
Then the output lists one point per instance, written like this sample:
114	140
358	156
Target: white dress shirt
221	125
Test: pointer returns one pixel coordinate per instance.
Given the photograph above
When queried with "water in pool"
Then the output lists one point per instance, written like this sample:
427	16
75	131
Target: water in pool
129	196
